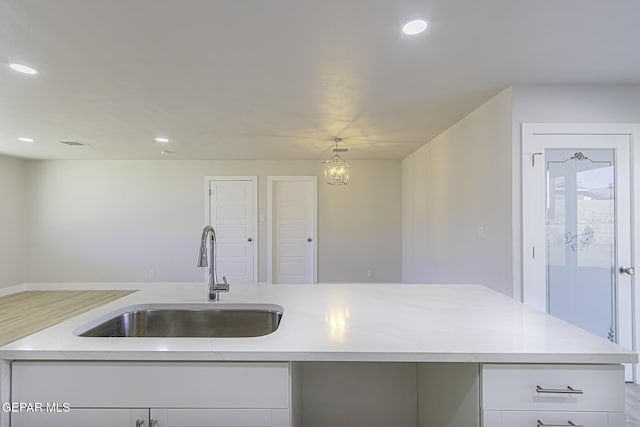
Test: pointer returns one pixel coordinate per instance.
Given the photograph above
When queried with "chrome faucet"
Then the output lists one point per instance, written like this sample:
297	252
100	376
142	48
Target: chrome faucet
214	287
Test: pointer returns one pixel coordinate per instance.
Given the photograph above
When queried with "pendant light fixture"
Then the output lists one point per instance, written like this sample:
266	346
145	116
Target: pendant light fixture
336	169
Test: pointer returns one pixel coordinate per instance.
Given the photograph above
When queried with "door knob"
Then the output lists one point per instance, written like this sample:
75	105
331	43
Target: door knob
627	270
249	239
309	239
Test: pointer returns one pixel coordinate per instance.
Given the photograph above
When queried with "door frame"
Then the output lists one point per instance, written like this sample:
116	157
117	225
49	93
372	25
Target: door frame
532	296
207	212
314	208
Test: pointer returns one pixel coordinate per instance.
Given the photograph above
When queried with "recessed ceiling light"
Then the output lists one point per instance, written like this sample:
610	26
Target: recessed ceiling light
162	140
24	69
415	26
23	139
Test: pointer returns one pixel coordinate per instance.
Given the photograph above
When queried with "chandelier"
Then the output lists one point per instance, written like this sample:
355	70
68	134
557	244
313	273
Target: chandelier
336	169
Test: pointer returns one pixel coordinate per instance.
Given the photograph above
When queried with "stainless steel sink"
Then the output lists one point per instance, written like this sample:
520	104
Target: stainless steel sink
195	321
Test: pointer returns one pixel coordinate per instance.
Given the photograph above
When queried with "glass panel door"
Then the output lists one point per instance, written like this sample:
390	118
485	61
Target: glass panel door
580	236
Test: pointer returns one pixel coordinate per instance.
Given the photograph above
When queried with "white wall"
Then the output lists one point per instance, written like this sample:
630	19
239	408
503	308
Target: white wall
447	190
11	221
561	104
458	182
119	220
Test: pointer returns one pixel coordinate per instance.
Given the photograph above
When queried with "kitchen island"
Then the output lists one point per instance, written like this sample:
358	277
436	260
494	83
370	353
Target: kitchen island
446	355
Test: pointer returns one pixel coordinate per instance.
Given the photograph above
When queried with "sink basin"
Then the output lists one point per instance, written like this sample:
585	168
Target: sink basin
194	321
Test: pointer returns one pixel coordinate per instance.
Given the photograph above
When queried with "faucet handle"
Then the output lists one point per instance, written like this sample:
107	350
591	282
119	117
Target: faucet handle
222	287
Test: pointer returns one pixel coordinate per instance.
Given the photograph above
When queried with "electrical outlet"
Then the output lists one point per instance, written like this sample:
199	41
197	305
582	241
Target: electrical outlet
369	273
481	234
152	273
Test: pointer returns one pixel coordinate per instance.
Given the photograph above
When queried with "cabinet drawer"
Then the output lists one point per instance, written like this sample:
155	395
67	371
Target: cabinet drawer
531	418
516	387
153	384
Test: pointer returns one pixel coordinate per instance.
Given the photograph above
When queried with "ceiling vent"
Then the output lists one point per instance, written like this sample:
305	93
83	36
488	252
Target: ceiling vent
73	143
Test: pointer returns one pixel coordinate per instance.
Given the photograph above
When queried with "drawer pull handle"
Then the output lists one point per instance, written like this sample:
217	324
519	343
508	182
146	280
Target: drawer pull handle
568	390
569	424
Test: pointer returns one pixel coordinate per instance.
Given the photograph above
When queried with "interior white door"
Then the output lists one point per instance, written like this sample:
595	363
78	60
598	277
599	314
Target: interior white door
577	230
293	225
232	213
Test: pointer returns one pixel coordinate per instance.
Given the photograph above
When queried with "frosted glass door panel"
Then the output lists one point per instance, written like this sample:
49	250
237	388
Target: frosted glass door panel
581	246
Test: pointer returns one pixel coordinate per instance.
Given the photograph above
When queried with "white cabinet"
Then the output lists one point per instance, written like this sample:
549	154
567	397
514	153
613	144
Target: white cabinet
551	418
253	394
219	418
197	394
82	418
532	395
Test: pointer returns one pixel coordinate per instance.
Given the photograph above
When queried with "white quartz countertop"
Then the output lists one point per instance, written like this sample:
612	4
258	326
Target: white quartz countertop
344	322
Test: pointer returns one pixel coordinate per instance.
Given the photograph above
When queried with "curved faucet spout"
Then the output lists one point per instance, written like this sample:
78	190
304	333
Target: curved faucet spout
214	287
202	257
208	229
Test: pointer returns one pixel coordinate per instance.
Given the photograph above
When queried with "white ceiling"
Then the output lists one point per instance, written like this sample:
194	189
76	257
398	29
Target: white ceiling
276	79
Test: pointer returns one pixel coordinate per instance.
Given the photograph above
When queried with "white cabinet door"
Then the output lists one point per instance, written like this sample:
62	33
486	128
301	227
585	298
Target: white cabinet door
154	418
82	418
219	418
